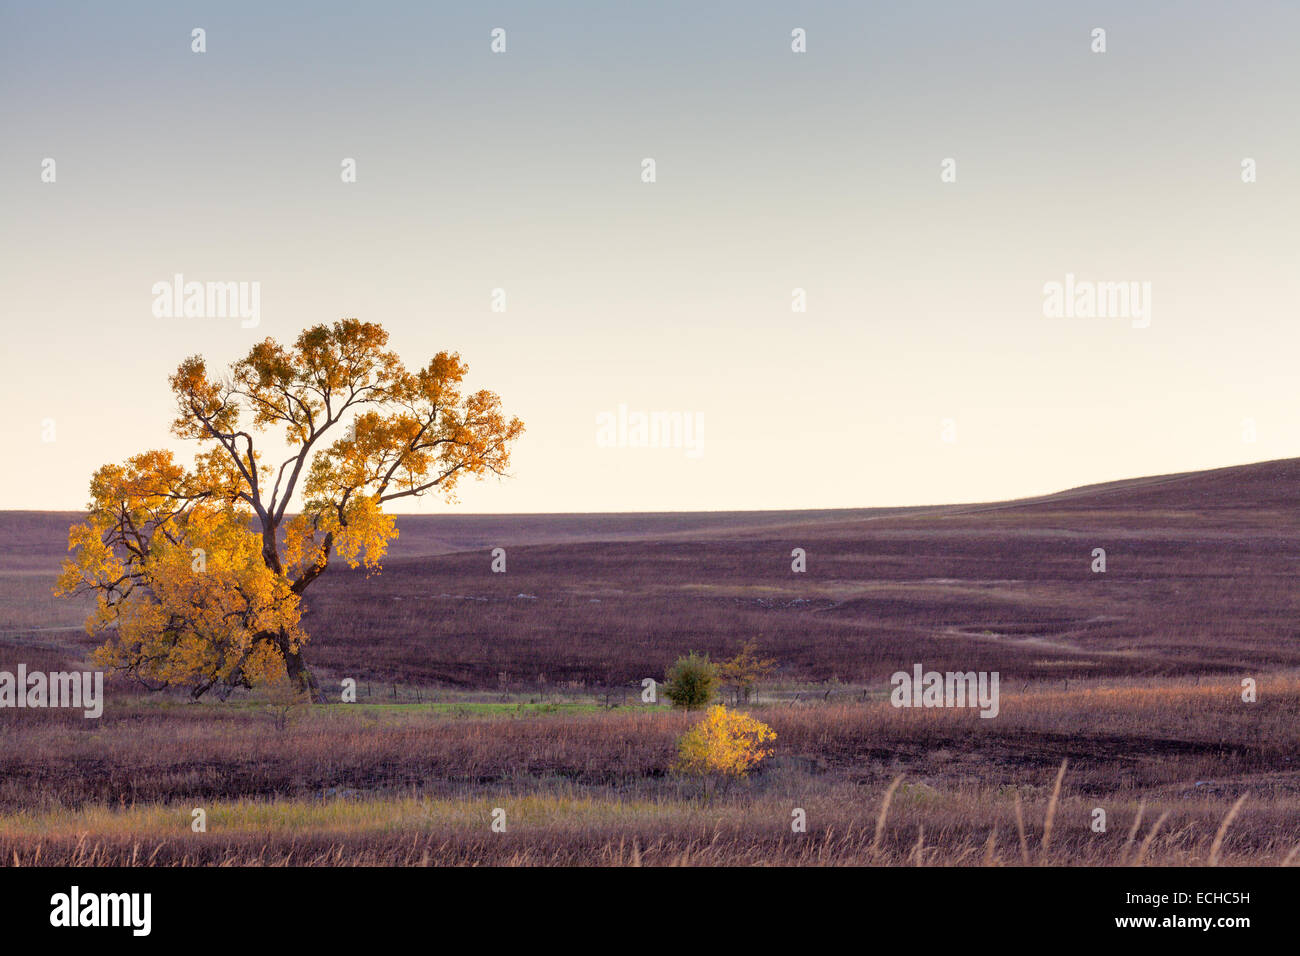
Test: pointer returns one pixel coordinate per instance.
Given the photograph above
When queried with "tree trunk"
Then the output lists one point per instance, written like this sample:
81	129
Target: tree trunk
298	672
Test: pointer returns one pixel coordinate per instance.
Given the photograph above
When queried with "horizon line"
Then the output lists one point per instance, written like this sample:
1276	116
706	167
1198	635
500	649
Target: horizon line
759	511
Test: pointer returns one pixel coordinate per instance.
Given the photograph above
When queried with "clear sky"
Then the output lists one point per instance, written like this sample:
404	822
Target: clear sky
775	170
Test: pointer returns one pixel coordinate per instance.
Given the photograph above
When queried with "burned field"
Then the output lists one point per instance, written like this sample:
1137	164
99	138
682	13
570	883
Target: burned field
521	690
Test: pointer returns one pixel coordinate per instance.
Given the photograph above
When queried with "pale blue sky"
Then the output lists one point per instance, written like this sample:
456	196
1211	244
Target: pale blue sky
775	171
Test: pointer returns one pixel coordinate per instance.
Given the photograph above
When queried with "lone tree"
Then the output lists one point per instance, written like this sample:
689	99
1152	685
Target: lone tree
745	670
198	572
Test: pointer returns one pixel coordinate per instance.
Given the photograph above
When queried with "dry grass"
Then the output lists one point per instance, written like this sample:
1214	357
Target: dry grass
1119	691
911	829
879	785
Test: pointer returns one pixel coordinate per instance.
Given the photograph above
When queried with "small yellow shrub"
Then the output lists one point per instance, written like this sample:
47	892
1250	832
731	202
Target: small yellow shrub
724	744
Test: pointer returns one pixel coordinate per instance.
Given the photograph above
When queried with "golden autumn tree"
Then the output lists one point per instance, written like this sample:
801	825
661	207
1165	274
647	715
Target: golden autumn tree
199	572
724	745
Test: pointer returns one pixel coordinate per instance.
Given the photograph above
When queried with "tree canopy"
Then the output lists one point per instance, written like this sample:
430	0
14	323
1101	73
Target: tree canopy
198	571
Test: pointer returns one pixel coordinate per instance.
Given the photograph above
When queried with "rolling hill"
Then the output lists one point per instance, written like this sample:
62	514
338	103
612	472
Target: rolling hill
1200	577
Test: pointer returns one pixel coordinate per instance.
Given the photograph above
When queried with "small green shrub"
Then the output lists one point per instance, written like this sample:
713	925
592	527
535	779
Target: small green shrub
691	681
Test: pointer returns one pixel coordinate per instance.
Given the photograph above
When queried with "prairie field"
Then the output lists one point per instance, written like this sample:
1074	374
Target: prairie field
520	692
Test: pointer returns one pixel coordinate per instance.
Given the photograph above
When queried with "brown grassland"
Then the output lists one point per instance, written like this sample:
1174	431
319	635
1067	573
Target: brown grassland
521	691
